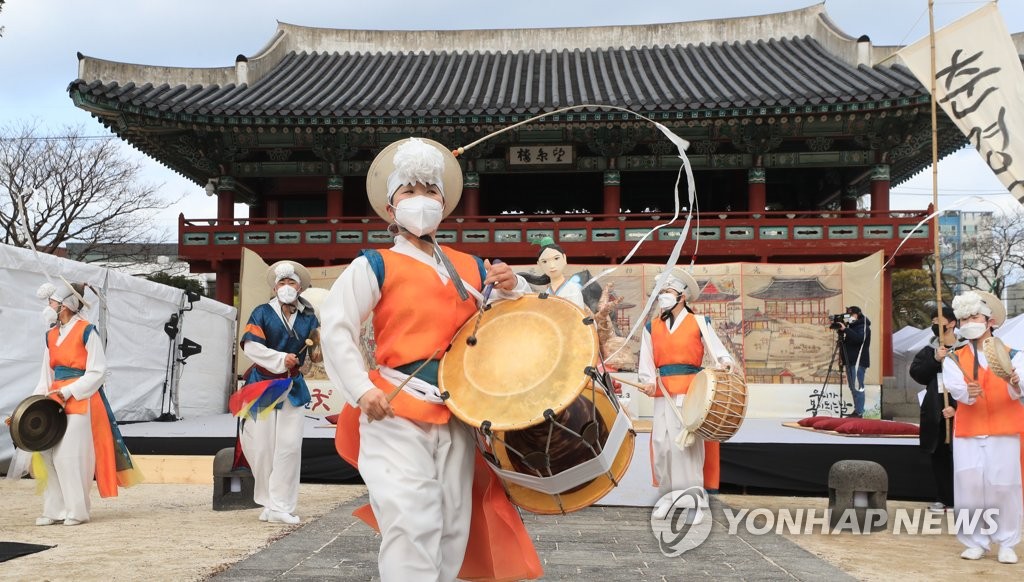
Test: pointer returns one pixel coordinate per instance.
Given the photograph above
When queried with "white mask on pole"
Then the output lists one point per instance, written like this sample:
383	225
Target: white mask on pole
973	330
287	294
419	215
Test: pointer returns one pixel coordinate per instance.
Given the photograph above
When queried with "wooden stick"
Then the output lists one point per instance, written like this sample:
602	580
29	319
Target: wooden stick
410	376
628	383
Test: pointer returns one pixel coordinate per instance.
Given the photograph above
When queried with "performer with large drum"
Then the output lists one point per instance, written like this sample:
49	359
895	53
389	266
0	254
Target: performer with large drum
74	367
418	462
671	354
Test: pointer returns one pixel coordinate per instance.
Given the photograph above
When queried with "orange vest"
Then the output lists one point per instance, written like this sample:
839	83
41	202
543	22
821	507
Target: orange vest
994	412
71	353
416	315
683	346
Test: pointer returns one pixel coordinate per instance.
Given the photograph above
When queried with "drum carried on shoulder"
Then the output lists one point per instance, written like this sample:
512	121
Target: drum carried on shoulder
714	407
546	422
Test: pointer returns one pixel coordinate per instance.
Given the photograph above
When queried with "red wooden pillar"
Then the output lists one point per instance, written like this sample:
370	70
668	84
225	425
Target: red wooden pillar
471	195
612	192
757	196
224	289
884	327
225	206
880	188
273	206
335	190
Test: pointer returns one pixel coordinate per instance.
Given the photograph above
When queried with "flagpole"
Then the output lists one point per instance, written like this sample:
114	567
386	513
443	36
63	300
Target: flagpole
935	206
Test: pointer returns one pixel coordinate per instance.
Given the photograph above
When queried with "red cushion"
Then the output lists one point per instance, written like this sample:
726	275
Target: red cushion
872	426
808	421
333	419
829	422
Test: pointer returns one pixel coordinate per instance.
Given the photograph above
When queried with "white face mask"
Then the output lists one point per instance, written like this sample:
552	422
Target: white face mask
973	330
667	301
419	215
287	294
49	316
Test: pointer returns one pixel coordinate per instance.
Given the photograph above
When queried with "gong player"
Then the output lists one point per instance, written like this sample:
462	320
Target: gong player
671	353
417	461
74	366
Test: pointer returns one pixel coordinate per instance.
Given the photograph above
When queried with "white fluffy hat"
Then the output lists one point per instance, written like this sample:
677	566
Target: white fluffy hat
409	161
684	283
288	270
974	302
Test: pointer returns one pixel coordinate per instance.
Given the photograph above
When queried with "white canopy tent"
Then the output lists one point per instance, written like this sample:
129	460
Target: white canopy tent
143	380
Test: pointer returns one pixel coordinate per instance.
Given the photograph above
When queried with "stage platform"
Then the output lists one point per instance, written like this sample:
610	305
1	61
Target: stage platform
208	434
764	455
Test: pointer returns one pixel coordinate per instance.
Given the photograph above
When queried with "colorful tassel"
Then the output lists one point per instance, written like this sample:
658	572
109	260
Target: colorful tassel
39	472
259	399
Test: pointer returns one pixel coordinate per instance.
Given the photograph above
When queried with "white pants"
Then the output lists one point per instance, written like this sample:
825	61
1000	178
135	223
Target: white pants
986	475
70	467
420	479
273	447
676	469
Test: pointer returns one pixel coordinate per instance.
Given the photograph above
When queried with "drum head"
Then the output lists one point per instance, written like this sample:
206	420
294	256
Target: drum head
698	399
530	356
585	494
38	424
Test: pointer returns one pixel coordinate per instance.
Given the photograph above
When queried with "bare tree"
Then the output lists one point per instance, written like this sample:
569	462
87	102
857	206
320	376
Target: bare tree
1	10
74	188
990	259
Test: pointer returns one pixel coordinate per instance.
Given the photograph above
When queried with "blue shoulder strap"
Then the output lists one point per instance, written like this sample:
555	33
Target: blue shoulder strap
483	271
376	263
88	329
648	327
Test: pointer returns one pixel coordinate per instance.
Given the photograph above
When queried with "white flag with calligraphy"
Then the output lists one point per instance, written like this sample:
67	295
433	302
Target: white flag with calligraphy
979	83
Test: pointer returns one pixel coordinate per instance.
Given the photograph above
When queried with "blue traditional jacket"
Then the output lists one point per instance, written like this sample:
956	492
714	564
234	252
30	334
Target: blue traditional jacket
267	328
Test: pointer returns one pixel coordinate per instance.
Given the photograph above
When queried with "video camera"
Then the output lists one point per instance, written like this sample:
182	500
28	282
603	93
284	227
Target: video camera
838	320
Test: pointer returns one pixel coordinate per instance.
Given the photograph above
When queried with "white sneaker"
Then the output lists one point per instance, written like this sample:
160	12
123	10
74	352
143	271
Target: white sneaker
265	515
1007	555
661	509
975	553
70	521
47	521
282	517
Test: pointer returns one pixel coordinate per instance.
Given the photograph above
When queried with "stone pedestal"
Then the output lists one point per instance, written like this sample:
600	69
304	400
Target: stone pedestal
860	487
231	489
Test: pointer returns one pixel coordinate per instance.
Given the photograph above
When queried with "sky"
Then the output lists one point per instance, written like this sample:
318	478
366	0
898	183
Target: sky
41	38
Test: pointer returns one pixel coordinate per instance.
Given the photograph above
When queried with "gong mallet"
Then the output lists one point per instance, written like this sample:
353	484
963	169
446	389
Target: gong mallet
471	340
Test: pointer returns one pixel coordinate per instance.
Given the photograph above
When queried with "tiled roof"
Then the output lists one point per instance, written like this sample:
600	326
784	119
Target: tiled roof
795	289
790	72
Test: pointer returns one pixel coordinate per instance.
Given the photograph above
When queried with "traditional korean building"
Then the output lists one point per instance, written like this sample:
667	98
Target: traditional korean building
789	118
797	300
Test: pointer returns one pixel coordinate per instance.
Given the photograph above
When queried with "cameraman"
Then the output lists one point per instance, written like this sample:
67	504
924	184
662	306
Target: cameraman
856	338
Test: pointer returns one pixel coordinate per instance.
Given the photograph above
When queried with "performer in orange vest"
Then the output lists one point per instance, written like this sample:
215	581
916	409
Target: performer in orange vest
671	353
989	425
430	491
74	367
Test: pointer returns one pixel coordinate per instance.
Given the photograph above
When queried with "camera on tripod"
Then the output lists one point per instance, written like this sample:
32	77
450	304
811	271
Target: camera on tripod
838	320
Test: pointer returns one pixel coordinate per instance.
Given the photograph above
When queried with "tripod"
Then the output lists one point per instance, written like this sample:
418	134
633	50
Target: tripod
838	357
